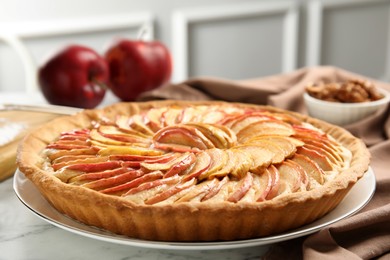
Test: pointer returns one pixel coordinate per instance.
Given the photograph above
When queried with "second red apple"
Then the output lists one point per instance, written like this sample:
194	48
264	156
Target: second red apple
137	66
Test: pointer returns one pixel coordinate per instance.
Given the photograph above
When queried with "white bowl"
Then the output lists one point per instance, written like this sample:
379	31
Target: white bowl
343	113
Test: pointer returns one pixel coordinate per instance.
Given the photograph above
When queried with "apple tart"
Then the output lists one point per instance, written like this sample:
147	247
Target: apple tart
192	171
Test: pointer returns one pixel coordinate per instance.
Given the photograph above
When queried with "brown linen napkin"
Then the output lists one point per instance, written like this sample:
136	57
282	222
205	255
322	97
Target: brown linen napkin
365	235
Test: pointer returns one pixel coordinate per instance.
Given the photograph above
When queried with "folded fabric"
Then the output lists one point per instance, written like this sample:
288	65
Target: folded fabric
365	235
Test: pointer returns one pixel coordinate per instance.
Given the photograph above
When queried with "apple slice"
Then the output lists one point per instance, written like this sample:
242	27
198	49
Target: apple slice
219	135
286	144
67	145
113	183
316	156
261	157
94	167
332	153
151	184
219	159
242	187
111	150
68	158
242	162
197	192
176	148
246	119
121	136
311	168
226	169
264	127
135	180
183	135
134	124
180	167
170	192
262	184
290	178
171	116
153	118
164	166
275	177
54	154
220	192
80	179
202	164
88	160
305	180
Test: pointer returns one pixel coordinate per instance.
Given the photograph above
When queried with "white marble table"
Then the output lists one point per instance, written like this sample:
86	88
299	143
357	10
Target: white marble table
25	236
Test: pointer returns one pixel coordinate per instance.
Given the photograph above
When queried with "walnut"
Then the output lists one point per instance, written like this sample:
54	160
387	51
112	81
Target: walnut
351	91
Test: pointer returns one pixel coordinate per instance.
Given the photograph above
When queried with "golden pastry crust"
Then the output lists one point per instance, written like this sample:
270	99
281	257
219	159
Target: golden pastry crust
187	221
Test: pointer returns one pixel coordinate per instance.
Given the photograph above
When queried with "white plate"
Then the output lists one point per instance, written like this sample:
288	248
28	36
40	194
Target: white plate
29	195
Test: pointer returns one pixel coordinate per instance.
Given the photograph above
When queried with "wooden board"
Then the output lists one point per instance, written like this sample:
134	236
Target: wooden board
13	127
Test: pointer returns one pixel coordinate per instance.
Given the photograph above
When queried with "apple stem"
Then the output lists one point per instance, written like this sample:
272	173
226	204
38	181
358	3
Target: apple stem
143	32
100	84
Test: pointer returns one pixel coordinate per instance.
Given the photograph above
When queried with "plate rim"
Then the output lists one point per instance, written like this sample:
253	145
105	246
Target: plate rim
368	179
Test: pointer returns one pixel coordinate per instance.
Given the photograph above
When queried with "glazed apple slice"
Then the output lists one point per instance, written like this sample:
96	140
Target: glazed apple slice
132	183
197	192
183	135
88	160
219	159
290	178
321	150
68	158
241	188
261	157
275	177
316	156
220	192
104	140
227	168
242	162
262	184
246	119
182	166
264	127
152	184
164	166
54	154
121	136
219	135
87	177
111	150
176	148
113	182
171	116
287	144
332	153
311	168
169	194
278	152
153	118
305	180
202	164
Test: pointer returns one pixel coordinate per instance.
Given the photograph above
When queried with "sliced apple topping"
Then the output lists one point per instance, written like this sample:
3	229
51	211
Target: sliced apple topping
264	127
203	154
311	167
261	157
183	135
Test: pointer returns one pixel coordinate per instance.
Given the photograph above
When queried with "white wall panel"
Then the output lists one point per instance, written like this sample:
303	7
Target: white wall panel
350	34
235	41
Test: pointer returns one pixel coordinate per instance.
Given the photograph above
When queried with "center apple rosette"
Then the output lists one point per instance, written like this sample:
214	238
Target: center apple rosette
134	168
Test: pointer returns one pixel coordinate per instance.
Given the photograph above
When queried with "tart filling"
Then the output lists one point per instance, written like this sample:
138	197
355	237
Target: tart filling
169	160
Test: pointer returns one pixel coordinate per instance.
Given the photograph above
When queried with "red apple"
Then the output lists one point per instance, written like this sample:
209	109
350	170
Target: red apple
137	66
74	76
